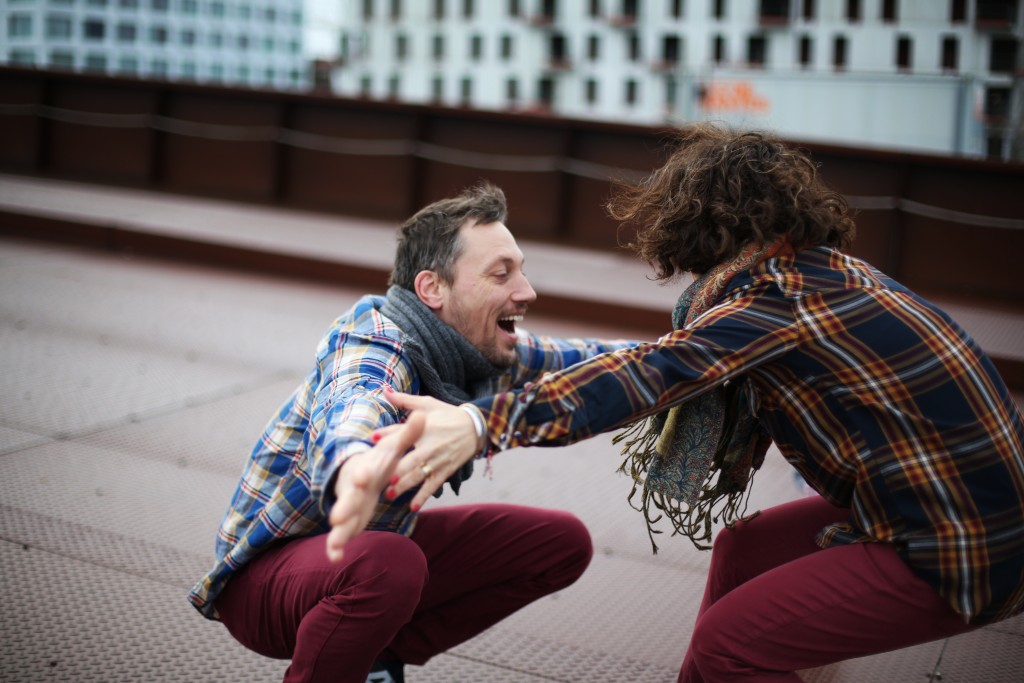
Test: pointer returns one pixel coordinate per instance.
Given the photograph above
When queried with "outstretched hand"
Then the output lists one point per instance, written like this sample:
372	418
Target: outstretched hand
447	442
361	480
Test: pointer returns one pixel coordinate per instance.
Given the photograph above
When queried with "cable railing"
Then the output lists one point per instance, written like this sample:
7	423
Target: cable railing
484	161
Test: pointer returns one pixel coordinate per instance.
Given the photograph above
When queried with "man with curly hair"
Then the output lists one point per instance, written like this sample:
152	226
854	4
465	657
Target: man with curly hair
882	402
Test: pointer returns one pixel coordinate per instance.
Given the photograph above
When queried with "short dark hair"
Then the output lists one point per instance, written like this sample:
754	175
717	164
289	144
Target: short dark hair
720	190
429	240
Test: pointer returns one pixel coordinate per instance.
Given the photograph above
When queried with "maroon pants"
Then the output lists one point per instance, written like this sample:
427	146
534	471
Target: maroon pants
776	603
463	569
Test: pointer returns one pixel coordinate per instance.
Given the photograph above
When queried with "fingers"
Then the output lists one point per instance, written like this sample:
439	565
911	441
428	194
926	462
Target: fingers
360	482
413	402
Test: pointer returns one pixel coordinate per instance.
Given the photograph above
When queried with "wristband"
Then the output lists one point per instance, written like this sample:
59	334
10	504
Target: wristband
479	426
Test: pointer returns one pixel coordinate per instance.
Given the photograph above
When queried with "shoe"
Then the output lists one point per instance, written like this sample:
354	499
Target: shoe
387	672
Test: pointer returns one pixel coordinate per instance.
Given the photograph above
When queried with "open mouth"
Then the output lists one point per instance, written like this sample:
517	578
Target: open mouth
508	323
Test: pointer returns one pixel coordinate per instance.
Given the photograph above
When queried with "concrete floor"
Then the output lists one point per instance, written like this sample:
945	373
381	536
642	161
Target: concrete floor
132	391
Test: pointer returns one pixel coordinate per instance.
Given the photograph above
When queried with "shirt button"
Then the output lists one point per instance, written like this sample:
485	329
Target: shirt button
519	435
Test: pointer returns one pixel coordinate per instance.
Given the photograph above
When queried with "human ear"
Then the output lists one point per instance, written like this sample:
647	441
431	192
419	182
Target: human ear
430	289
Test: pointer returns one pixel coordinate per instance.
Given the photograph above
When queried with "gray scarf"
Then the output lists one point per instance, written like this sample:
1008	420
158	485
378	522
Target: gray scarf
450	368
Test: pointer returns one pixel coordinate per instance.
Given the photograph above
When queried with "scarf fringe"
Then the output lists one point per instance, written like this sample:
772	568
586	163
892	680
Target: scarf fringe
725	499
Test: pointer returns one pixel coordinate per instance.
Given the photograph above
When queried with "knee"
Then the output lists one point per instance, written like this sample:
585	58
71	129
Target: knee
710	650
388	565
574	539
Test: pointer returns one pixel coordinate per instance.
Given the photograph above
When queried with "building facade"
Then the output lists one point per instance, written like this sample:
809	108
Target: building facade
257	44
940	76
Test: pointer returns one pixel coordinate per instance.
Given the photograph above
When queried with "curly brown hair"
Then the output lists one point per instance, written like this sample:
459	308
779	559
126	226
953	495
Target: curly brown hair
720	190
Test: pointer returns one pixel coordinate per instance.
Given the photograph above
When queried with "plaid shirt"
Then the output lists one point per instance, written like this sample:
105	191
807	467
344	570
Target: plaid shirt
882	402
285	490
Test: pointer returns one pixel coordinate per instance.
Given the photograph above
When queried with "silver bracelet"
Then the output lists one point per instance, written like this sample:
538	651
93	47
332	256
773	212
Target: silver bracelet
479	426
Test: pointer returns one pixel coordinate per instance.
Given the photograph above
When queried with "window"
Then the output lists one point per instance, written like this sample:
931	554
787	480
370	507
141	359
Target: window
158	68
188	37
243	74
62	59
631	92
242	42
439	9
467	9
593	47
839	53
126	33
506	47
365	85
216	40
670	50
438	46
546	92
718	49
513	8
958	11
853	10
466	91
396	13
756	49
94	29
19	25
394	86
904	49
595	9
129	4
159	5
512	90
633	46
158	35
217	9
997	103
188	70
889	11
58	26
401	47
367	10
718	9
677	9
23	57
128	65
1002	55
809	10
950	57
95	62
437	89
806	51
189	6
591	91
476	48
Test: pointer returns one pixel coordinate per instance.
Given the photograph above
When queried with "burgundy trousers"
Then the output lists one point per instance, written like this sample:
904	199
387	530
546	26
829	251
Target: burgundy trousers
776	603
464	569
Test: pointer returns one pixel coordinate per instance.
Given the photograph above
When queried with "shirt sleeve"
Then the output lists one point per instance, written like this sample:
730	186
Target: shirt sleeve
541	354
614	389
347	402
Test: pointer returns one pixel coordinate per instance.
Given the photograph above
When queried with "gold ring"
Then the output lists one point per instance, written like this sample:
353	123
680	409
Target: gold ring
427	470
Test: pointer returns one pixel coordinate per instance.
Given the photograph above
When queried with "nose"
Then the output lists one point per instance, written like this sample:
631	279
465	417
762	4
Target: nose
524	291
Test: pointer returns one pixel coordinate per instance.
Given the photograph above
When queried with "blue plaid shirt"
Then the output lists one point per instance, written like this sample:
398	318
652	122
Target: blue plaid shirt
286	489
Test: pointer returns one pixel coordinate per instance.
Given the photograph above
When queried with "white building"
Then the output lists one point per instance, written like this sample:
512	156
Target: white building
926	75
210	41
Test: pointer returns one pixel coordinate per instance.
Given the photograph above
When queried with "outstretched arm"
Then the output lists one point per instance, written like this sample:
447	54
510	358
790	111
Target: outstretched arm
361	480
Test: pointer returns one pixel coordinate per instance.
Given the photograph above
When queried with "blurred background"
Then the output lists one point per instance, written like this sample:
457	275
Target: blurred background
191	190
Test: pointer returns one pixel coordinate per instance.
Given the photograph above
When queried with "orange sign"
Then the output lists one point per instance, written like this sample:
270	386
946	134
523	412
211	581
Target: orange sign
736	96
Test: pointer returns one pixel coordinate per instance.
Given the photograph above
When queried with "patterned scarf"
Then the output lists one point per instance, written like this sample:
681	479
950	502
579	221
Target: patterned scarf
673	456
450	368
